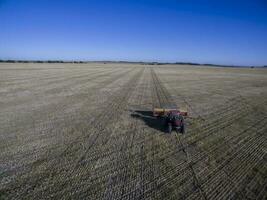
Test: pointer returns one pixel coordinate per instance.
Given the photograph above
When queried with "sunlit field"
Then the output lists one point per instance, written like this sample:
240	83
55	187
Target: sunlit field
86	131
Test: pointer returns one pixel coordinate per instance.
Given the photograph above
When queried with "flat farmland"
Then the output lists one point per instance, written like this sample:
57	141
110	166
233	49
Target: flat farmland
85	131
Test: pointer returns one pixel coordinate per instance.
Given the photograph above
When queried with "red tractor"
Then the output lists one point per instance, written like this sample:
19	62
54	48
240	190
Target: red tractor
174	118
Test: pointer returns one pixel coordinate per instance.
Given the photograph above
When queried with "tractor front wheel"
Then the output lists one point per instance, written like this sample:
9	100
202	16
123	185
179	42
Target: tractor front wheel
169	128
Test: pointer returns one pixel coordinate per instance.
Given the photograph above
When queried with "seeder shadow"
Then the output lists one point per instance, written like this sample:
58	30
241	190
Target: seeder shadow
157	123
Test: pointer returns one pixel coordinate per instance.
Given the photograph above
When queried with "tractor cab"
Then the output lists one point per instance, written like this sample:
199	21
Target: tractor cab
175	120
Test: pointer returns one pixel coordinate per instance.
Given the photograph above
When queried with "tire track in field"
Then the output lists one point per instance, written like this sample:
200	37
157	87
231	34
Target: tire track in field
162	95
120	102
190	164
113	103
186	102
222	120
113	108
70	101
116	171
198	157
96	178
120	105
217	146
118	183
59	110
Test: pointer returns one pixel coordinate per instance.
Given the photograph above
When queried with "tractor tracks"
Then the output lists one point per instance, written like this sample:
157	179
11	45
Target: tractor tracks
161	96
119	184
190	166
101	134
115	105
112	152
212	126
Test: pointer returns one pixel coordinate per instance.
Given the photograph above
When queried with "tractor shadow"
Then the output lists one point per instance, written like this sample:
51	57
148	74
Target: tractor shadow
157	123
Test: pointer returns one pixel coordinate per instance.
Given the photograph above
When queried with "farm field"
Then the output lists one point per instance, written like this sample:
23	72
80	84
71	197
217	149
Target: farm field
85	131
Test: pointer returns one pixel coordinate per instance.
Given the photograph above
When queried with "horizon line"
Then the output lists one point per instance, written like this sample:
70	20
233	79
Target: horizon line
119	61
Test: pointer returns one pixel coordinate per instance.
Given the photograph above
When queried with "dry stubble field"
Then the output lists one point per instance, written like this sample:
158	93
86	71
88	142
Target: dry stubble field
77	131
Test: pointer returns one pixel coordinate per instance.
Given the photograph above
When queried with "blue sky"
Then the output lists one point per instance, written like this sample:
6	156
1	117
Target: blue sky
222	32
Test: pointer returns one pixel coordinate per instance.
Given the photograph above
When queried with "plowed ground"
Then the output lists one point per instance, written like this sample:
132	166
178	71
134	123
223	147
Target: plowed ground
70	131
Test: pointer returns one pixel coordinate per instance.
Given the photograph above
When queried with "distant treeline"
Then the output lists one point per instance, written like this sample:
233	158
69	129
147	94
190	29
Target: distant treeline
129	62
40	61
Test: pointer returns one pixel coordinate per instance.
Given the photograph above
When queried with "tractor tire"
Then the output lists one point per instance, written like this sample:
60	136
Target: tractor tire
169	128
182	130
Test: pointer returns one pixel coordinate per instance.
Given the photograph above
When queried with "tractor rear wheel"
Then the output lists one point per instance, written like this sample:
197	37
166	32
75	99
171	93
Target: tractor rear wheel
182	130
